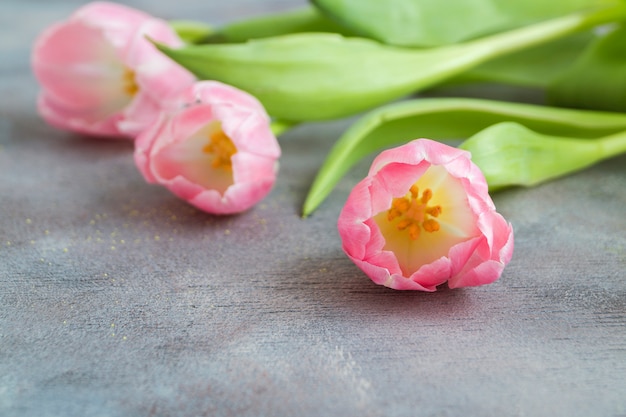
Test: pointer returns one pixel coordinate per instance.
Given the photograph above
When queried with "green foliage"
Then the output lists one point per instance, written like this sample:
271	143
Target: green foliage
535	67
191	31
597	80
297	21
312	76
428	23
510	154
315	76
307	65
445	119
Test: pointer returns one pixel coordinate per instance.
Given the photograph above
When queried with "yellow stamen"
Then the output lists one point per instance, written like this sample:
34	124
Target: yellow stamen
393	213
130	85
401	204
430	225
222	148
404	224
414	213
434	211
414	231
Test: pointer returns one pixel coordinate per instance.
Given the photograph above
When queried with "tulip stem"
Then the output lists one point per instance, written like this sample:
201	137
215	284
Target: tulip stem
279	126
190	31
613	145
489	47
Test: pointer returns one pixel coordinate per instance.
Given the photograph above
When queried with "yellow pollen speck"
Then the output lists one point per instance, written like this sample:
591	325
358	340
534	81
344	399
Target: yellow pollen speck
65	250
129	83
222	148
414	213
28	221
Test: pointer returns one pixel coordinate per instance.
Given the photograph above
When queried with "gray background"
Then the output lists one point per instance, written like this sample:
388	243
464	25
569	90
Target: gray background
117	299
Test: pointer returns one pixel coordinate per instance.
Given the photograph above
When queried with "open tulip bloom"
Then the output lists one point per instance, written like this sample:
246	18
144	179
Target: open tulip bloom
101	76
422	217
217	151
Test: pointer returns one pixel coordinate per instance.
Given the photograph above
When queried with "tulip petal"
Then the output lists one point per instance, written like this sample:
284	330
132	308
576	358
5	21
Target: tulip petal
86	75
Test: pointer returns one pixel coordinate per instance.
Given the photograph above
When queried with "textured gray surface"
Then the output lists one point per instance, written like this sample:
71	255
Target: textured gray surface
116	299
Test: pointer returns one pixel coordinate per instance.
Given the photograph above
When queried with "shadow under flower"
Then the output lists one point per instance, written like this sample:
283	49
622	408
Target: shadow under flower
335	287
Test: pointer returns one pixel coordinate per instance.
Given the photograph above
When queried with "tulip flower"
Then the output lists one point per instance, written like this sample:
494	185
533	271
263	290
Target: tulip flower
101	76
423	217
217	151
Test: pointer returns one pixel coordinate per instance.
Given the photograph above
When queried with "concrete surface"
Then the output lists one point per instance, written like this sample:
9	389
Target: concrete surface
117	299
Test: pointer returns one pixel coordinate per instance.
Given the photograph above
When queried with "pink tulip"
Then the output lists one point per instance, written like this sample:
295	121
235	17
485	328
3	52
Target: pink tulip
99	73
217	152
422	217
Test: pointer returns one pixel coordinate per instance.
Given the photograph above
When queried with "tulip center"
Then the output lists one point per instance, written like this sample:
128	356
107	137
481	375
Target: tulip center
222	148
129	82
414	213
422	225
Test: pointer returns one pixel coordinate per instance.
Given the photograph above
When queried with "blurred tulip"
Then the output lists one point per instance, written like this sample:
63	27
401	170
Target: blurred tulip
101	76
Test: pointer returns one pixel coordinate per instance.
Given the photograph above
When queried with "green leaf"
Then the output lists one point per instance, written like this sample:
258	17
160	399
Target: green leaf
535	67
445	119
297	21
598	79
279	127
510	154
318	76
191	31
310	76
428	23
